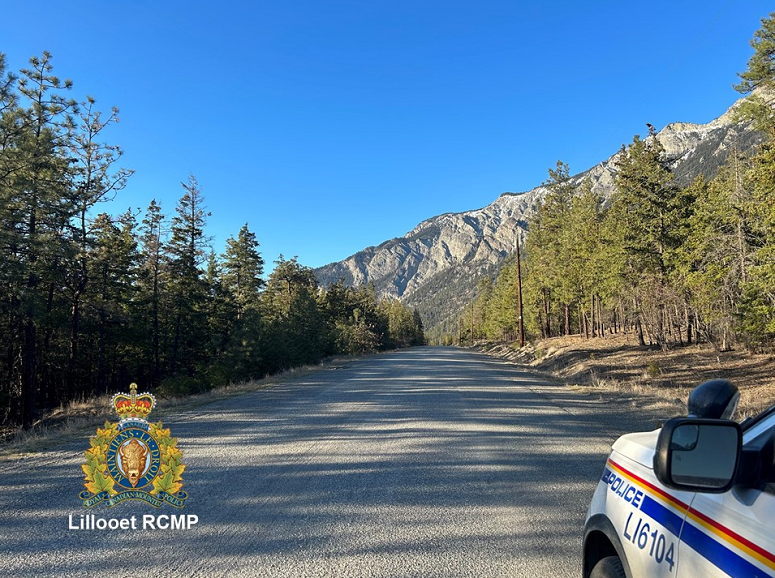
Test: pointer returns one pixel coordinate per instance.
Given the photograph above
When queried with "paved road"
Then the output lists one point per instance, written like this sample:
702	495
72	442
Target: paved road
424	462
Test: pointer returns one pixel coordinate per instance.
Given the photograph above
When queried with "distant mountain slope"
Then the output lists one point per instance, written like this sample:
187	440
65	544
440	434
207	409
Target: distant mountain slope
436	266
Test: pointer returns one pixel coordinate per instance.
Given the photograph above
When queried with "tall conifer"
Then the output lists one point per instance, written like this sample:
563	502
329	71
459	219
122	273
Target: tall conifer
186	253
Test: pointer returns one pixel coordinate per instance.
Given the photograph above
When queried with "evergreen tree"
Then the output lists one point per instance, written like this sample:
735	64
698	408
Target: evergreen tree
712	262
94	180
647	223
370	327
585	258
294	328
483	304
501	319
37	207
556	209
550	286
645	203
336	305
419	331
757	308
760	74
220	327
400	323
243	269
113	270
186	252
149	306
12	269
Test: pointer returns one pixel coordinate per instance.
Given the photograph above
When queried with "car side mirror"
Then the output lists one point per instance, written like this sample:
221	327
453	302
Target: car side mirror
698	454
715	399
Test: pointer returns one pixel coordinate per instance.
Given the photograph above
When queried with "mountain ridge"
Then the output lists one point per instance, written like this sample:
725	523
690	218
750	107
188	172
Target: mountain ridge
436	266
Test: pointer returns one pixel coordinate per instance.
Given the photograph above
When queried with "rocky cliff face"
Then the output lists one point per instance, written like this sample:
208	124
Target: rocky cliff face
436	266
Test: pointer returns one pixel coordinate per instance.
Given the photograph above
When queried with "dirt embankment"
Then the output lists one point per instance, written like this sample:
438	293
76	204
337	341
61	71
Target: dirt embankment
617	363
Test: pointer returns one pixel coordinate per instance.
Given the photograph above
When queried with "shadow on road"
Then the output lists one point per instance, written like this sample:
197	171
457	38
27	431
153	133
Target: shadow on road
431	458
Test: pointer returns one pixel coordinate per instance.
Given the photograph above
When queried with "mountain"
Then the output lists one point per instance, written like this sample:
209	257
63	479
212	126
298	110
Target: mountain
436	266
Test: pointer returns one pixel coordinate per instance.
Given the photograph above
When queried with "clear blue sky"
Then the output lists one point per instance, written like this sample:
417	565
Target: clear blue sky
332	125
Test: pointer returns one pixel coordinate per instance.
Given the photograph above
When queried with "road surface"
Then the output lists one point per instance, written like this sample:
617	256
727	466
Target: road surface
422	462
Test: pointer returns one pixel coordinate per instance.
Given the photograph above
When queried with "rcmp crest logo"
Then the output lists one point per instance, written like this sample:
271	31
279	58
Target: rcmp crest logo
133	459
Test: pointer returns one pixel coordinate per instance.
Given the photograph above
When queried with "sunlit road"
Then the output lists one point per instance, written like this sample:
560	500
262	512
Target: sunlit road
424	462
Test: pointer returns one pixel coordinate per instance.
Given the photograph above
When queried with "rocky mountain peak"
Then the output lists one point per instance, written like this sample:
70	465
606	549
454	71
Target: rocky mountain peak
436	265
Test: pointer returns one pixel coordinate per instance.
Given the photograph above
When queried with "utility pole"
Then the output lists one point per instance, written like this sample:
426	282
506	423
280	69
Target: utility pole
519	296
472	323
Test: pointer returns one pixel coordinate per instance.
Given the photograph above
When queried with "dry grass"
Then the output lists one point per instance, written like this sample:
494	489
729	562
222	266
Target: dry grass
81	417
616	363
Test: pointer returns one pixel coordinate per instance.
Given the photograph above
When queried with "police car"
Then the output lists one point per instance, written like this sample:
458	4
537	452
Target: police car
693	499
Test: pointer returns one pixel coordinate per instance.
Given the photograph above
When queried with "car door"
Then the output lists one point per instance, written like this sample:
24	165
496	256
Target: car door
731	534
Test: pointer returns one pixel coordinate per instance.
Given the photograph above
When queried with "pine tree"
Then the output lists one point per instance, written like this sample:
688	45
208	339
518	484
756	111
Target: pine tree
712	262
243	268
151	289
483	304
186	253
501	320
12	269
556	210
757	307
94	180
760	76
334	306
585	255
113	270
419	331
402	331
294	328
647	223
221	328
37	208
550	287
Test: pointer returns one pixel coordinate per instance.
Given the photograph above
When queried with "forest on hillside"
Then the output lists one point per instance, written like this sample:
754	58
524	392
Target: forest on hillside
673	263
90	302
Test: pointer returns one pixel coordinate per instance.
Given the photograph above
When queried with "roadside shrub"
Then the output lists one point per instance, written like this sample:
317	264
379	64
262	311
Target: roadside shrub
183	385
653	371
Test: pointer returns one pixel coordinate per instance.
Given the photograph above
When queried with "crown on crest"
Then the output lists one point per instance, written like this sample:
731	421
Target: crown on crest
133	405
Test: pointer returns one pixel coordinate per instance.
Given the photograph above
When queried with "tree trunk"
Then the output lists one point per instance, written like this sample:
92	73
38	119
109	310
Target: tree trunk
75	315
29	373
601	325
689	321
155	337
639	331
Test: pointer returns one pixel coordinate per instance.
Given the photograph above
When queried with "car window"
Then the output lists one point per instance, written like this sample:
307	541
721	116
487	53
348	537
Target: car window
758	422
763	427
759	426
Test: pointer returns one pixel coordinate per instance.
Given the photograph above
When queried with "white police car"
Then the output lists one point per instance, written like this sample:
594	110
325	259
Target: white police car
694	499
